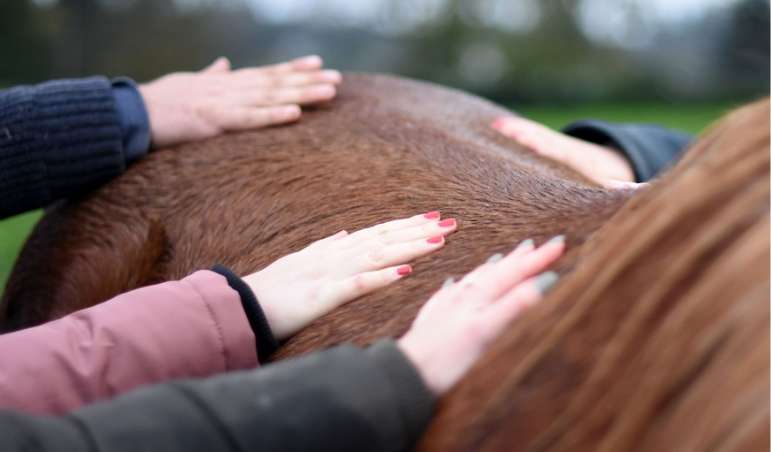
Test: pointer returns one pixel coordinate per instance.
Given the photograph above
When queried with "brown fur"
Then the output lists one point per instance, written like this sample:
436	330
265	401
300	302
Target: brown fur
387	148
657	341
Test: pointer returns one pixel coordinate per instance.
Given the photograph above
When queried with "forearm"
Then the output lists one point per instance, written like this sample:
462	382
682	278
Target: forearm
648	148
190	328
340	399
60	138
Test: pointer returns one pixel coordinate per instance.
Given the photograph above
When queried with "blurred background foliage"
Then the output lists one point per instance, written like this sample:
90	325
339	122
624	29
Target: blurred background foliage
677	62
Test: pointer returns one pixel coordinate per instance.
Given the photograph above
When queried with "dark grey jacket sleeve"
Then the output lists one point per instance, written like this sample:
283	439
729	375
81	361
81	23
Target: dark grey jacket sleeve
63	137
341	399
649	148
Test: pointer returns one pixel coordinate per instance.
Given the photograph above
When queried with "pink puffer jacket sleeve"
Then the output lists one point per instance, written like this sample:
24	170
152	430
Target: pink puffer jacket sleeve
195	327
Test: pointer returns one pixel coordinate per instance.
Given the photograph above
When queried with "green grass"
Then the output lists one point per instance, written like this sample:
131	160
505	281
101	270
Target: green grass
689	117
13	232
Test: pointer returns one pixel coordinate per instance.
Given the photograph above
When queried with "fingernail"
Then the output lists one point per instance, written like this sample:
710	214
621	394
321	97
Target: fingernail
433	215
448	282
525	244
324	91
546	281
331	75
435	240
498	123
494	258
309	59
557	239
289	111
404	270
448	223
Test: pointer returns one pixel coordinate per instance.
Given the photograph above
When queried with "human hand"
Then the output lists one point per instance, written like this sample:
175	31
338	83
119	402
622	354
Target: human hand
303	286
459	322
188	106
604	165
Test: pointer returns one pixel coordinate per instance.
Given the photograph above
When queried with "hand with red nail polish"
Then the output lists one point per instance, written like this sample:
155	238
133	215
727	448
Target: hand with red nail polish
301	287
461	320
604	165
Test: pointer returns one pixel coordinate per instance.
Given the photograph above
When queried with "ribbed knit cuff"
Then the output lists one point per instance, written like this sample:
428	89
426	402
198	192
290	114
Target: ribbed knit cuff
266	342
134	120
56	139
414	400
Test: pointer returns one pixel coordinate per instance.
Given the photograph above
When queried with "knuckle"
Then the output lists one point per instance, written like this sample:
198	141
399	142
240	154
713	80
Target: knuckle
376	256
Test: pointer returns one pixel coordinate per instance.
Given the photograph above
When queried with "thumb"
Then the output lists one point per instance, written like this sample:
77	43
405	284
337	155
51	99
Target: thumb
221	64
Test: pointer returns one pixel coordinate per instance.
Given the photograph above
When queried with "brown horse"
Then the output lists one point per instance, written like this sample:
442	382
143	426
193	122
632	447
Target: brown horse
658	339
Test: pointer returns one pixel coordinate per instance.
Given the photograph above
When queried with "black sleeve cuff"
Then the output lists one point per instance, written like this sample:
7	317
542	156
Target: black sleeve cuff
413	399
266	342
649	148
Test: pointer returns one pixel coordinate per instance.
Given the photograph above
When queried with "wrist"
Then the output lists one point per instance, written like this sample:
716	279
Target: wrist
423	363
618	166
266	342
133	118
274	318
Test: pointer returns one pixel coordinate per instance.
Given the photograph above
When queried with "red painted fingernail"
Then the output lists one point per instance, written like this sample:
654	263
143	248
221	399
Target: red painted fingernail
435	240
433	215
448	223
404	270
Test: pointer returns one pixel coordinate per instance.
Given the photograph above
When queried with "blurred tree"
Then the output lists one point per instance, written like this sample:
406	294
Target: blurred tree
24	47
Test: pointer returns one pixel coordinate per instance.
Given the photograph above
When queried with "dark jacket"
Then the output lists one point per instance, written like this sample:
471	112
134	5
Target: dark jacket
62	138
648	147
341	399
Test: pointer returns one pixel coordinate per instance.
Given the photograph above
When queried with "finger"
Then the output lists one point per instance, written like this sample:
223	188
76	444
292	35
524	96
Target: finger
394	225
520	297
624	185
441	296
330	238
514	126
379	256
221	64
523	248
251	78
423	231
515	268
364	283
238	118
307	63
283	96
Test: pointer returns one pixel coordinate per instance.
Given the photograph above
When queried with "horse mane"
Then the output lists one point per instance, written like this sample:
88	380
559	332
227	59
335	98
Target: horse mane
655	338
659	339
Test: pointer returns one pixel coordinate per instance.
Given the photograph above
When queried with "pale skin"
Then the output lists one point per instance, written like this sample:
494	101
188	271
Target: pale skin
189	106
301	287
453	328
459	323
604	165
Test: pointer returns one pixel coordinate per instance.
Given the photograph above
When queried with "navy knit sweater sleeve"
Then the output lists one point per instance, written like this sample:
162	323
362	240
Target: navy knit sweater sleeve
649	148
63	137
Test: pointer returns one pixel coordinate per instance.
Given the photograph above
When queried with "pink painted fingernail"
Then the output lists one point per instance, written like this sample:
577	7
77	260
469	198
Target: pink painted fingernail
433	215
404	270
448	223
435	240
